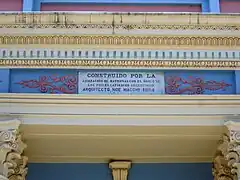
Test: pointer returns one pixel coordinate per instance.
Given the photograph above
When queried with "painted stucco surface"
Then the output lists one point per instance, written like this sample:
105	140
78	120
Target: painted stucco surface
11	5
197	171
230	6
120	8
214	6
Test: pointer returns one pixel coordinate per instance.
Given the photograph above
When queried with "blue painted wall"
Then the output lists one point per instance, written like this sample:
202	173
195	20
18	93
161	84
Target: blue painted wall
68	172
156	171
237	74
4	80
207	5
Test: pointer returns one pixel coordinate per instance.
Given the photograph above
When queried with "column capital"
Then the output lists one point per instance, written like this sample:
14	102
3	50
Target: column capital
12	162
120	169
226	163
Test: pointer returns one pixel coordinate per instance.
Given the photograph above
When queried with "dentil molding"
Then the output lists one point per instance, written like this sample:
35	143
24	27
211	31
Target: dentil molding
120	169
12	162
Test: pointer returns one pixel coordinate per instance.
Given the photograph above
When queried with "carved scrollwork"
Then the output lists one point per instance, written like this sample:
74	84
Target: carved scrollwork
18	166
235	136
8	136
13	165
221	171
228	152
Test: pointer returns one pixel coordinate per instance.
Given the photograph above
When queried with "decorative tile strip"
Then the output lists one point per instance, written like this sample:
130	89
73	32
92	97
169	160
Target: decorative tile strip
76	63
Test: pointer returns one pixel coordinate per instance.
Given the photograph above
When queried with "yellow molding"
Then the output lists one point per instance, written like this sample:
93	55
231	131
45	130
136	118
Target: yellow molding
125	26
119	20
112	63
121	99
117	47
99	159
157	41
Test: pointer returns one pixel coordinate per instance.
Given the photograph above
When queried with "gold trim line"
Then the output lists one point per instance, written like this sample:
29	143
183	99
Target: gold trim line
76	63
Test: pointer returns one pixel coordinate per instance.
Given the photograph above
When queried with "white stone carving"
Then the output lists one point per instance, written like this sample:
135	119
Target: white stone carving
226	165
120	169
12	162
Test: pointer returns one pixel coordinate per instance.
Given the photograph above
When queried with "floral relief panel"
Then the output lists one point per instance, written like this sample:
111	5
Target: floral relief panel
200	82
44	81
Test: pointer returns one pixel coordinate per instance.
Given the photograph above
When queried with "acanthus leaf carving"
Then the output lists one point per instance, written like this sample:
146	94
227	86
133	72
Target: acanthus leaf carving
13	165
229	151
220	169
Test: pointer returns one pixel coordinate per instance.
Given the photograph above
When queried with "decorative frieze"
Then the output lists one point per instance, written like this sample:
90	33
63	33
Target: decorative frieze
120	169
12	162
151	40
103	81
226	164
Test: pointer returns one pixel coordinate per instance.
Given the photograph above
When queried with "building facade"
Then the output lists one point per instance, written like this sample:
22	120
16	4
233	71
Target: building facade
118	90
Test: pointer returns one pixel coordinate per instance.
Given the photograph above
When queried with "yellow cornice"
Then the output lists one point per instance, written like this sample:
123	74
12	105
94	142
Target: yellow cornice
118	64
128	21
131	30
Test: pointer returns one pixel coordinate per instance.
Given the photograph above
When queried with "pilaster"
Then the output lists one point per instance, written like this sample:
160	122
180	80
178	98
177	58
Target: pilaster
226	164
28	5
214	6
120	169
12	162
237	80
4	80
